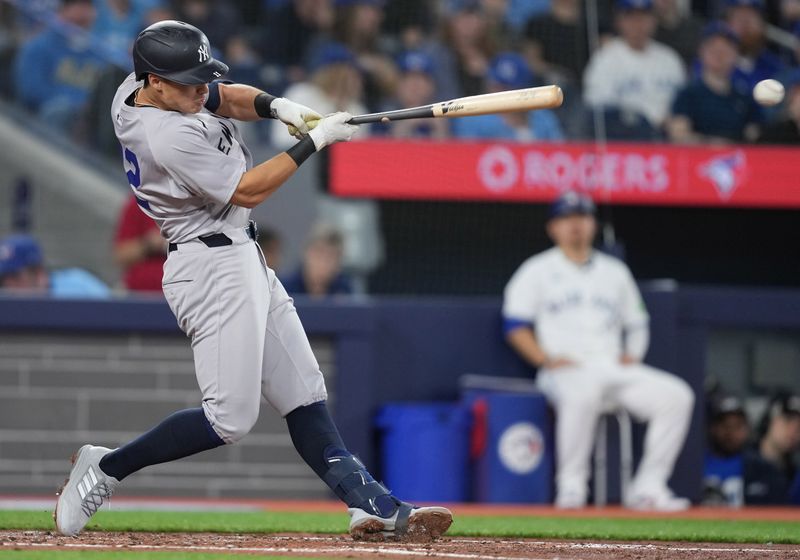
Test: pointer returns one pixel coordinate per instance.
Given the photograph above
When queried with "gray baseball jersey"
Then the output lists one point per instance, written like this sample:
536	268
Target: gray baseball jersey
247	339
183	168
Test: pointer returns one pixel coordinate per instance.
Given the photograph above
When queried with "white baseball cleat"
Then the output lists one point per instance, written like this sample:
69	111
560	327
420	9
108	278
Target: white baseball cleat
658	501
408	523
86	489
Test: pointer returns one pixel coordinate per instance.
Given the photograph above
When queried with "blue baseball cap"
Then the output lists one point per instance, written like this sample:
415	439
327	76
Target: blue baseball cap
569	203
720	29
333	53
632	5
18	252
511	70
416	61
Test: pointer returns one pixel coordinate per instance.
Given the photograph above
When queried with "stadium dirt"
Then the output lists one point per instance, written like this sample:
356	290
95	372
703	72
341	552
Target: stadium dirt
339	546
466	548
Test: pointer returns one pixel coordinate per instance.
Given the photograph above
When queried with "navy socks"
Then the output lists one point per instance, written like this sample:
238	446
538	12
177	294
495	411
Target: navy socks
313	434
318	442
181	434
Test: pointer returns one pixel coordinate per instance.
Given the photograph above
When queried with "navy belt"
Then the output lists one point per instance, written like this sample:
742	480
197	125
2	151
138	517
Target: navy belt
220	239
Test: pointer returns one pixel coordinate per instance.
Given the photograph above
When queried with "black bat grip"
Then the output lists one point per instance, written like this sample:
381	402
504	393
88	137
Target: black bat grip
412	113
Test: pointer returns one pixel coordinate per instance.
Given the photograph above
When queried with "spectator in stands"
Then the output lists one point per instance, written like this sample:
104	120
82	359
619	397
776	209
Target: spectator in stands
712	108
414	33
335	85
22	272
118	23
755	61
510	71
219	19
773	468
357	25
565	312
320	273
633	73
466	34
55	71
728	433
139	249
494	13
678	28
288	30
556	42
519	12
786	130
416	87
271	246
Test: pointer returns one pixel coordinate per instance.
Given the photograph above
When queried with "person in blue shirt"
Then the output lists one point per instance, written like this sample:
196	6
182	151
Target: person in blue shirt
118	23
723	471
56	70
416	86
320	273
510	71
22	272
712	108
756	62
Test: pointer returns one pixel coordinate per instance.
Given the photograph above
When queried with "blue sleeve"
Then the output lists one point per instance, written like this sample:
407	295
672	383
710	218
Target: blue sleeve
545	126
213	101
510	324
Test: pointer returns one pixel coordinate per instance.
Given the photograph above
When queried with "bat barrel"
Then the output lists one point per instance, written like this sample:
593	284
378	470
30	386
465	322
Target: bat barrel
544	97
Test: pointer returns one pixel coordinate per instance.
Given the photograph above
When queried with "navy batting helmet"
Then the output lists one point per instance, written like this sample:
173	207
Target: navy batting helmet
176	51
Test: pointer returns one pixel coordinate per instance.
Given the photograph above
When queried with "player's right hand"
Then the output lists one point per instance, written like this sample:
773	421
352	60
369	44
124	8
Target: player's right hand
331	129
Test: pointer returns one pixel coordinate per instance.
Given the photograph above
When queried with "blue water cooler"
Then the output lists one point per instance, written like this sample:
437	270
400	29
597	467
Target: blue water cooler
512	447
424	450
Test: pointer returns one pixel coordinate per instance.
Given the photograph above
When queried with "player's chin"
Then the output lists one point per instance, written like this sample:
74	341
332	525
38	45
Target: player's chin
195	106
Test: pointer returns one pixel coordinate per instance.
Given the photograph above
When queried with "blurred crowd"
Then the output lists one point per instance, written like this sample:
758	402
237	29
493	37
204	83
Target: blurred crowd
752	466
660	70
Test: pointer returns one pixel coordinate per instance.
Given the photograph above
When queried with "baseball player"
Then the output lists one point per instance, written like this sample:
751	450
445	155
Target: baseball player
565	311
191	172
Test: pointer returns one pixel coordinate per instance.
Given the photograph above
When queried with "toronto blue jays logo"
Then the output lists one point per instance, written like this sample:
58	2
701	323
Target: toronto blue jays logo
725	172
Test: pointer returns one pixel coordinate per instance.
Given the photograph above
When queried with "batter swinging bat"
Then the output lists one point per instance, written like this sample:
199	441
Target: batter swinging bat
544	97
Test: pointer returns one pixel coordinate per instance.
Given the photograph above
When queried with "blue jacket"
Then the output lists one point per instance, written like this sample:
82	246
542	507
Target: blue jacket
51	66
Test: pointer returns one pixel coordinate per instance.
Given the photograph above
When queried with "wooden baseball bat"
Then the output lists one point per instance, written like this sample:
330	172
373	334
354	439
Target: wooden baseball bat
544	97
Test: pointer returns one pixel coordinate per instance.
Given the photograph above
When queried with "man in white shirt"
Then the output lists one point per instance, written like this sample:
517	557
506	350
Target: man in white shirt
633	72
577	315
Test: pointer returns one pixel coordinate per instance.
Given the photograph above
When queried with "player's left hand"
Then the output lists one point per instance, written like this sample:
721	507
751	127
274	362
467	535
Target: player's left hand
295	115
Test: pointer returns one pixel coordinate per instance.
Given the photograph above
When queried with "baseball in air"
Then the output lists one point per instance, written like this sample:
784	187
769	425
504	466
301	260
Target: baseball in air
768	92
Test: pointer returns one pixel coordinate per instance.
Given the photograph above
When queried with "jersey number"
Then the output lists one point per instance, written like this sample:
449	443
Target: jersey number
134	175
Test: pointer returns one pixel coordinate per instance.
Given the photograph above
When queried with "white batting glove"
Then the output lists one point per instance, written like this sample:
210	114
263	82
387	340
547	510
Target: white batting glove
332	129
294	114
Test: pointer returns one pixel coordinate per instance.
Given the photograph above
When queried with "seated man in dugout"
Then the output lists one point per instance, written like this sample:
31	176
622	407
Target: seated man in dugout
577	316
